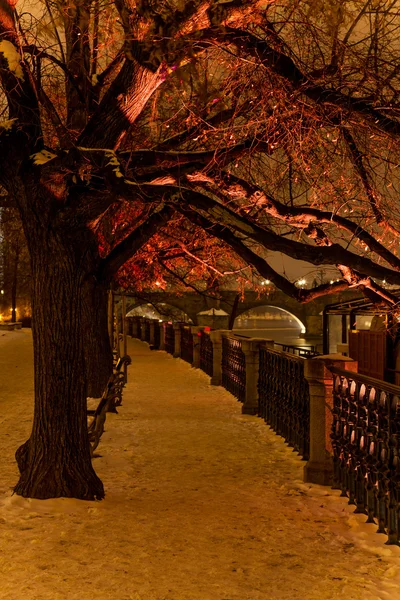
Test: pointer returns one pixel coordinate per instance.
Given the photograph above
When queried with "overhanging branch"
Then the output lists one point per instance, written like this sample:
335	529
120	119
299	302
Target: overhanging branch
134	242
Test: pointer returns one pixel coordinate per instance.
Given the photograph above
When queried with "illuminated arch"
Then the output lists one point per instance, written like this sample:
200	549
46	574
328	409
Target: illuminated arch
153	308
298	321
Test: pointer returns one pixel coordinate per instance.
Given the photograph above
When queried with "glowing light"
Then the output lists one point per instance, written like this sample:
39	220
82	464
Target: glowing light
302	282
331	281
158	283
2	292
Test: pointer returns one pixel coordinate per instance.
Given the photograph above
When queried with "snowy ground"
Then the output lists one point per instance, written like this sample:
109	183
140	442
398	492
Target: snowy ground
202	504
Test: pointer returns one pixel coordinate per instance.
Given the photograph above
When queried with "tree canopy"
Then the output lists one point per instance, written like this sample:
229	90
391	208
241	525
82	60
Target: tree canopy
164	137
270	125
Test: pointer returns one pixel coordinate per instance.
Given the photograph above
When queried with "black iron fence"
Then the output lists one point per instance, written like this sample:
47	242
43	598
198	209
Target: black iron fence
234	367
304	351
169	339
157	335
186	343
147	331
366	447
206	353
284	398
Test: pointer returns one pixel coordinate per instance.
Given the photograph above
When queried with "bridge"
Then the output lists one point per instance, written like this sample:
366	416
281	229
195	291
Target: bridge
192	303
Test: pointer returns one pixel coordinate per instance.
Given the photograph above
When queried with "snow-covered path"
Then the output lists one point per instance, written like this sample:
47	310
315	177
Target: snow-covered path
202	504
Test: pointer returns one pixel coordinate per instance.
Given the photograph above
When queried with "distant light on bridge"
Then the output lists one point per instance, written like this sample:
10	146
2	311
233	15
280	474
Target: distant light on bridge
331	281
302	282
266	282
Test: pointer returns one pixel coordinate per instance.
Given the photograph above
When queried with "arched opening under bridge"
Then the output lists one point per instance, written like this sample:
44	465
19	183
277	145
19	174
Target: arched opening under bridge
271	322
160	310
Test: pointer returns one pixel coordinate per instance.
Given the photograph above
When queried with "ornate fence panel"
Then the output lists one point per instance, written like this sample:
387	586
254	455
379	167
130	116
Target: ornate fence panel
147	330
169	338
284	399
234	367
186	344
206	354
129	327
366	447
157	335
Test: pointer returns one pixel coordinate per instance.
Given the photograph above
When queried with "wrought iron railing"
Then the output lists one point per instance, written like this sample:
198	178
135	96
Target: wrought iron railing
304	351
284	399
169	338
157	335
234	367
147	330
186	343
366	447
129	325
139	328
206	353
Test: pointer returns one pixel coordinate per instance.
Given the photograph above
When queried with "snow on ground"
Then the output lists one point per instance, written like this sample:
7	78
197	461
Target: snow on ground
202	503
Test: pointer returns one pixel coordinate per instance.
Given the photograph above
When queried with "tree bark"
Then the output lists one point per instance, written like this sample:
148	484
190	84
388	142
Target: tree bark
56	459
97	346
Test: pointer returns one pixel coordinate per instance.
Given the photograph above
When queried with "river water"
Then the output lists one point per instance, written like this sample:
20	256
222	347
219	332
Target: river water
283	331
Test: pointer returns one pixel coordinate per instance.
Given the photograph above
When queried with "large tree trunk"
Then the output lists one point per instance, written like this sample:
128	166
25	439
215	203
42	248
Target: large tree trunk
97	346
56	459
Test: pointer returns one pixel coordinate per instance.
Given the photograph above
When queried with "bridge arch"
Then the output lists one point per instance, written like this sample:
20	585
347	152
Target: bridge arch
298	318
160	309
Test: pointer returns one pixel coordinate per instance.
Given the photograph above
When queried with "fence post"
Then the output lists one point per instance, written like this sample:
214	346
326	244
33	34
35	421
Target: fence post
216	338
319	468
251	350
195	331
178	339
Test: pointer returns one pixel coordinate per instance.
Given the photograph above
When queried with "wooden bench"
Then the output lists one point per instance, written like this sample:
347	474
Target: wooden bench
111	398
